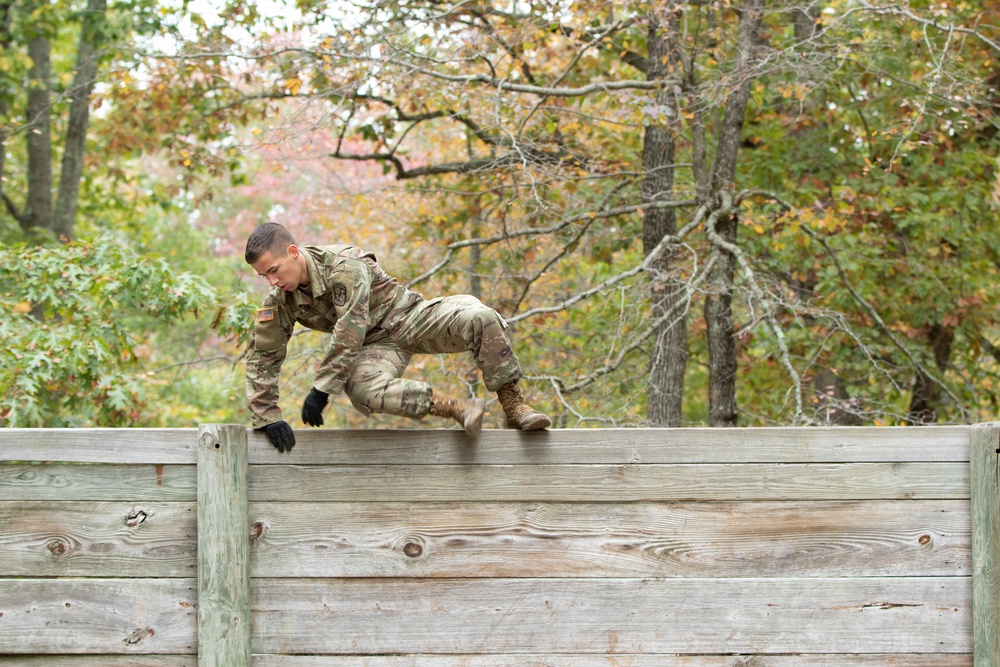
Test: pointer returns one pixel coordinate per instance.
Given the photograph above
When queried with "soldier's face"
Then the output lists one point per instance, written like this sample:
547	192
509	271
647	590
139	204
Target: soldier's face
283	272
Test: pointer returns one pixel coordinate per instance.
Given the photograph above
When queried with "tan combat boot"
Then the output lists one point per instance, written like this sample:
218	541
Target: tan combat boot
518	414
466	411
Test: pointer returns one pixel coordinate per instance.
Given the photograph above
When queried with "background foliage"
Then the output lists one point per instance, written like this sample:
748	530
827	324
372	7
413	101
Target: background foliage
507	150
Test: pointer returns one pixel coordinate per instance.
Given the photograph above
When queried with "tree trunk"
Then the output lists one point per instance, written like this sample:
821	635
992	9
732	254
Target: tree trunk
718	305
668	358
804	21
926	397
6	14
79	117
38	209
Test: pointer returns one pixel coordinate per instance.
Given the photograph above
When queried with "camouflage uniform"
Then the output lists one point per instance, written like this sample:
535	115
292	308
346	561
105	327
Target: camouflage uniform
377	326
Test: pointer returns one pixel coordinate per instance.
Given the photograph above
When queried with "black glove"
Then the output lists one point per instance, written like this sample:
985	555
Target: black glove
280	434
312	409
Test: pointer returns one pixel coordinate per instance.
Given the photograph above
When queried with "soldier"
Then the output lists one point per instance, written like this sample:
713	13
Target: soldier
377	326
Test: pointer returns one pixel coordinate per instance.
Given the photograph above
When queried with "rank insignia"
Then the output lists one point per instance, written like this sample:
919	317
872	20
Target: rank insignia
265	314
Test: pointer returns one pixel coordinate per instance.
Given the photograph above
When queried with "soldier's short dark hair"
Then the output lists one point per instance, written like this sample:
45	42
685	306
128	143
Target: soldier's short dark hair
267	237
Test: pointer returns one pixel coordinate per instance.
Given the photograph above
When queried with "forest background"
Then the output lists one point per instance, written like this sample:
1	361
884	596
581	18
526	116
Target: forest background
690	213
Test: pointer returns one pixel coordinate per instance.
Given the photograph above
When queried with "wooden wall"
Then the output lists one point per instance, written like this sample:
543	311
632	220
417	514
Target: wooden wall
584	548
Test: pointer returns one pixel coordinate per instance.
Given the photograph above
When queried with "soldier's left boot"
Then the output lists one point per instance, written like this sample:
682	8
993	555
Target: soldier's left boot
518	414
466	411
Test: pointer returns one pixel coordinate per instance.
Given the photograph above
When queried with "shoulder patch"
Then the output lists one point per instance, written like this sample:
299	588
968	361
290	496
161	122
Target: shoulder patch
339	294
265	314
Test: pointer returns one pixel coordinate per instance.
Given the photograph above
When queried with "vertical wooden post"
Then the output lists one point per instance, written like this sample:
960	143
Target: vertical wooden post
223	547
984	458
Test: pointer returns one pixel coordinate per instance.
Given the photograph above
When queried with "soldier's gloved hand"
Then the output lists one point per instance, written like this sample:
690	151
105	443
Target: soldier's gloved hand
312	409
280	434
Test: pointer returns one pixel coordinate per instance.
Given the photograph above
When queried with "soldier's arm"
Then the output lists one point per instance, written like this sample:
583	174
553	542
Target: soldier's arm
350	285
268	346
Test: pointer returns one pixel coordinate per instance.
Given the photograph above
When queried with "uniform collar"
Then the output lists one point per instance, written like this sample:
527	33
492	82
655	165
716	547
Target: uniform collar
315	287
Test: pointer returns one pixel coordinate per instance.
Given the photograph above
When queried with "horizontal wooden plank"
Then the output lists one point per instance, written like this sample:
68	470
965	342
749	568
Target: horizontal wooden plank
617	446
647	660
99	445
870	538
437	446
505	616
858	538
99	661
612	483
131	616
44	539
545	482
527	660
98	481
709	616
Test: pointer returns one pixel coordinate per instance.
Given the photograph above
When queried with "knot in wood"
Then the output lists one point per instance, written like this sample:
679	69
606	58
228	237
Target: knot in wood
139	635
57	547
413	549
257	530
924	539
135	517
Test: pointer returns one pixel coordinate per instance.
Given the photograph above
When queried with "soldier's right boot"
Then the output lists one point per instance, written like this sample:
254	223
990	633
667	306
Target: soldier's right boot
466	411
519	415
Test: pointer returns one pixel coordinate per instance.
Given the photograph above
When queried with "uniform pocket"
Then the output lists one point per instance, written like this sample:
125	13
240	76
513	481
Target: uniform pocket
268	336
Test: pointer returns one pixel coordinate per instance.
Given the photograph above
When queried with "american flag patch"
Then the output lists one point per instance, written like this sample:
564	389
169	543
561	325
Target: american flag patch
265	314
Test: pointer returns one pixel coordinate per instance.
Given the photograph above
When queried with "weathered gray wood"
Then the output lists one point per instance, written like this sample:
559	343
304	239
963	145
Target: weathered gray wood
714	616
87	539
549	482
130	616
644	660
813	539
70	481
99	445
330	446
985	481
564	446
922	538
99	661
223	551
611	483
521	660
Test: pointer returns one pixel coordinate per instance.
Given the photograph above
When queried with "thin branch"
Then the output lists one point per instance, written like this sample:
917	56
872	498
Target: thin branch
638	341
667	241
506	236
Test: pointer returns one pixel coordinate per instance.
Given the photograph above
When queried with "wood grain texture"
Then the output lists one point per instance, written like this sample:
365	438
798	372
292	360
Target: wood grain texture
864	538
619	446
70	481
99	661
131	616
646	660
99	445
223	549
706	616
611	483
985	467
430	446
526	660
87	539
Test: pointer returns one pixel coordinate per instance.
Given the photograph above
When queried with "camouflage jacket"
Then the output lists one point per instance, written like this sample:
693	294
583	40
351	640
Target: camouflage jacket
348	295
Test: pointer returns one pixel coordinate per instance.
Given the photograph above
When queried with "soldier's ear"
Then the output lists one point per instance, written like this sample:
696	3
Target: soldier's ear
293	251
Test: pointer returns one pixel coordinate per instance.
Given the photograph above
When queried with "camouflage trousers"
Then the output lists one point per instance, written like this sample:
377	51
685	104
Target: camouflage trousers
449	324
